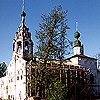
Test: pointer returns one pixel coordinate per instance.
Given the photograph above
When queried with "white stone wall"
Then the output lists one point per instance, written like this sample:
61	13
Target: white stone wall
98	81
87	63
74	60
77	50
3	88
11	79
91	64
15	80
20	79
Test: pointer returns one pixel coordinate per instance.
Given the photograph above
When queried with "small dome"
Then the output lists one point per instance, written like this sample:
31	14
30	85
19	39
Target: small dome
76	34
77	43
23	14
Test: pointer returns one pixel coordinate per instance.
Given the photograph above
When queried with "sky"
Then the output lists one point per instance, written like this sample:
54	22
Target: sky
85	12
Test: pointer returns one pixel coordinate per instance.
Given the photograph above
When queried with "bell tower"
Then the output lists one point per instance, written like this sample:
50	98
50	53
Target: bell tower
22	44
22	54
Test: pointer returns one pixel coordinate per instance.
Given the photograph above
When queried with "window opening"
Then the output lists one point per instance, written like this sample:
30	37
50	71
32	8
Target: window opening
19	46
26	47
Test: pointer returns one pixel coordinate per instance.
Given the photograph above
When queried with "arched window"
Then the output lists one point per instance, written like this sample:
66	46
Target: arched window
92	78
14	46
19	46
26	47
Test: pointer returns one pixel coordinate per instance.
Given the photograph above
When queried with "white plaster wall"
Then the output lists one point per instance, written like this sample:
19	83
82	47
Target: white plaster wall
89	63
21	83
74	60
11	78
3	90
17	88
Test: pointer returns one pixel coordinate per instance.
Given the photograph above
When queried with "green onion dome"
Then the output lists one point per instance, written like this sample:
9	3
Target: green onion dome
77	43
76	34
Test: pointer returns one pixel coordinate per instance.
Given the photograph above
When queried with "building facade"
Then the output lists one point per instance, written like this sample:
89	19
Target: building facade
14	85
86	62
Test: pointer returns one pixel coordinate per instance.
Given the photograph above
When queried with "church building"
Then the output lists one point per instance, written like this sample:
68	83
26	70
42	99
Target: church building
84	61
14	85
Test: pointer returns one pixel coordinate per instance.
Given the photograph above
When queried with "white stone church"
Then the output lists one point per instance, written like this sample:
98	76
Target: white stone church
13	85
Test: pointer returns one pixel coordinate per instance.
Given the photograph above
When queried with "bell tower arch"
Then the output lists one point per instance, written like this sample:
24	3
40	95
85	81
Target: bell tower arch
22	44
22	54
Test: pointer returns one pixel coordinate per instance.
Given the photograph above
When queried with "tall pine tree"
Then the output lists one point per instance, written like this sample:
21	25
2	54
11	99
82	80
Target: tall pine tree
53	44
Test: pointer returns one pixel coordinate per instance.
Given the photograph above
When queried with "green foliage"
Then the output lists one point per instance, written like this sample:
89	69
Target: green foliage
3	68
53	44
52	37
48	81
57	91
